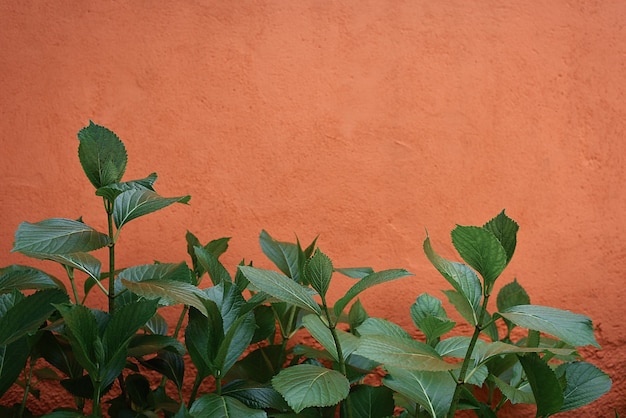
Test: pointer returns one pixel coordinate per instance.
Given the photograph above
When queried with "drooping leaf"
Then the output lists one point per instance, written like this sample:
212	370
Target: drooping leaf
169	292
215	406
57	236
24	277
544	384
505	230
432	390
28	314
574	329
281	287
482	250
132	204
306	385
371	401
111	191
102	155
318	271
367	282
466	283
84	262
584	384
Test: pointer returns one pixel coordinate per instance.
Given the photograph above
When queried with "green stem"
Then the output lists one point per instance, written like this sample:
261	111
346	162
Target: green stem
27	387
194	390
468	356
70	275
109	209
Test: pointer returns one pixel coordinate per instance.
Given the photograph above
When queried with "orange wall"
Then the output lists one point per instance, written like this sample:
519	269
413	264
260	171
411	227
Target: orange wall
362	121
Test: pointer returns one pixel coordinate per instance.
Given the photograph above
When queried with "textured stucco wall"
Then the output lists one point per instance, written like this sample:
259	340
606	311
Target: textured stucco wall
362	121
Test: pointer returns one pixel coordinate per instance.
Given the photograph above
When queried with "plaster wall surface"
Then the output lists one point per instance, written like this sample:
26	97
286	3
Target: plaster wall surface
363	122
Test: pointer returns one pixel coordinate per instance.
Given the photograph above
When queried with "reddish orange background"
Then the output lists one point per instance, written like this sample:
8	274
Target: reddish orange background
365	122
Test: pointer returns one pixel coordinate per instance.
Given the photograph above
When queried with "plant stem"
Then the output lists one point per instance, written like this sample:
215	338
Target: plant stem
70	275
27	387
194	390
468	356
109	209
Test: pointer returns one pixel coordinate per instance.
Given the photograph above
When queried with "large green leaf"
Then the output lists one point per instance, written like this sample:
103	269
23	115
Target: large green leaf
28	314
209	262
367	282
584	384
215	406
169	292
544	384
432	390
283	254
57	236
371	401
178	272
307	385
320	331
574	329
281	287
379	326
505	230
102	155
228	300
235	342
24	277
111	191
480	249
203	335
12	360
464	281
318	271
84	262
133	203
83	336
401	352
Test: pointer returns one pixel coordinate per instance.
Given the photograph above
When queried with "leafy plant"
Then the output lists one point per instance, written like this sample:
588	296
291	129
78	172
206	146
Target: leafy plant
268	343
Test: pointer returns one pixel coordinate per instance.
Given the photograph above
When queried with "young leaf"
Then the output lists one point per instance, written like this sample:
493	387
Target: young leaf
432	390
505	230
429	316
481	250
367	282
356	315
111	191
215	406
102	155
28	314
318	271
585	384
281	287
57	236
544	383
306	385
510	295
574	329
133	203
24	277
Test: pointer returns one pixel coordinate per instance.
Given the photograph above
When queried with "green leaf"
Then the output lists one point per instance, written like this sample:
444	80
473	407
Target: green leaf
215	406
57	236
432	390
82	335
24	277
144	344
203	335
228	300
574	329
102	155
367	282
235	342
306	385
28	314
584	384
512	294
55	349
355	272
132	204
259	365
356	315
179	272
281	287
481	250
429	316
379	326
255	395
323	335
111	191
170	365
84	262
401	352
209	263
515	395
169	292
505	230
371	401
12	361
463	279
318	271
284	255
544	383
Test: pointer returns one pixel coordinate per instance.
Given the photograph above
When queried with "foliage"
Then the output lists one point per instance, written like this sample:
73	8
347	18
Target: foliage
245	333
